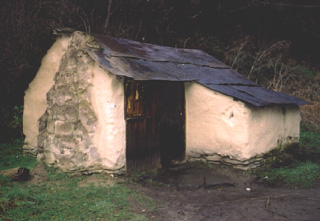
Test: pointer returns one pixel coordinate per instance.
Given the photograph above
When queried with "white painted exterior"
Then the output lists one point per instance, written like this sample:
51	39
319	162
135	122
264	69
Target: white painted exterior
35	96
217	124
107	93
272	127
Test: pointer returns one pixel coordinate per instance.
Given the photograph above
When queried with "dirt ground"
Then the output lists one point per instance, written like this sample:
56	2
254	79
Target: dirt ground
224	194
219	193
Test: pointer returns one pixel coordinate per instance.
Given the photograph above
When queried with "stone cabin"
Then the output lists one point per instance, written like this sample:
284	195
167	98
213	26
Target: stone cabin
104	104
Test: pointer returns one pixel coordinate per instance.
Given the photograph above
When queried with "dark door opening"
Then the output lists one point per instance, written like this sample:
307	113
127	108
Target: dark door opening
155	124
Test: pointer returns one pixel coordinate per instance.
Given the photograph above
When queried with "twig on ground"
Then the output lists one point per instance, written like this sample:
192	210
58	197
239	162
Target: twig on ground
267	204
313	199
252	198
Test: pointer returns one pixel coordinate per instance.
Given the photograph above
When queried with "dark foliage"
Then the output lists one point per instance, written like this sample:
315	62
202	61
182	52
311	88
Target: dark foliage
26	27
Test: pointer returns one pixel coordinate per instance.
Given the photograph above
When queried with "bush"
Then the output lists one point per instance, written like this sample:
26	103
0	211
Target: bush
11	123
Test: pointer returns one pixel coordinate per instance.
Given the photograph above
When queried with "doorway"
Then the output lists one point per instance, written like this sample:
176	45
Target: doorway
155	124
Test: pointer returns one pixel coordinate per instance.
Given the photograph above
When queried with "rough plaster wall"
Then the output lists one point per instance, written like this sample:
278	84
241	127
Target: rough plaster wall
216	125
108	102
68	125
35	102
271	127
83	128
222	130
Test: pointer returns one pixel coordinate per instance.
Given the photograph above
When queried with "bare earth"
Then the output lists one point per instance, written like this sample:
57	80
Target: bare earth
222	194
199	193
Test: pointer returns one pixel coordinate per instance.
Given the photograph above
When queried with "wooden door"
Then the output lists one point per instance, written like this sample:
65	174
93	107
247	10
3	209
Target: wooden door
155	123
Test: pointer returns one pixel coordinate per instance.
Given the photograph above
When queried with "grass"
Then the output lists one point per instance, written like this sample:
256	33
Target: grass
12	148
298	165
11	156
303	174
310	137
66	200
62	197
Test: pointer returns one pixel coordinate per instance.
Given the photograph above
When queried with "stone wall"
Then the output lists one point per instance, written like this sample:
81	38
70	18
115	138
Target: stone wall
35	103
227	160
67	128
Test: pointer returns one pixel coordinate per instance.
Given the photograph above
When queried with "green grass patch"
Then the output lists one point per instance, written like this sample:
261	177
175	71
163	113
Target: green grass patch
297	165
55	175
61	197
12	148
11	156
303	174
310	143
309	137
12	161
65	199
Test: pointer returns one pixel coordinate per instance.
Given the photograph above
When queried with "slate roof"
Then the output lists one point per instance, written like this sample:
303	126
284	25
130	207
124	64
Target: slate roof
142	61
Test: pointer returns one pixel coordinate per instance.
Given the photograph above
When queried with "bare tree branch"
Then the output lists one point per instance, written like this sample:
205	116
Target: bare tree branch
285	4
108	16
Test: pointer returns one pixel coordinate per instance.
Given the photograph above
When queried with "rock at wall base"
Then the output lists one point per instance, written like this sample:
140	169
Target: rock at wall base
16	174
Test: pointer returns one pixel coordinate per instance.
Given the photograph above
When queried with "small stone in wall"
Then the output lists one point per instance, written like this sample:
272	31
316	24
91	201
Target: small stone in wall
63	129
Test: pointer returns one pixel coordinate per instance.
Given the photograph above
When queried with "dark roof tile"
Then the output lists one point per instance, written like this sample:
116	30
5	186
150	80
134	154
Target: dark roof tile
142	61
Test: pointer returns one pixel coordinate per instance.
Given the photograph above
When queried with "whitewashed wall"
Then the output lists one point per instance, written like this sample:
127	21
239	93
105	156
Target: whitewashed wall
107	94
219	128
35	96
215	123
273	126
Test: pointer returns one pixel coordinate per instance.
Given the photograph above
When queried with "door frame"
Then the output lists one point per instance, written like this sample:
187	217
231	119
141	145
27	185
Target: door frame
155	96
